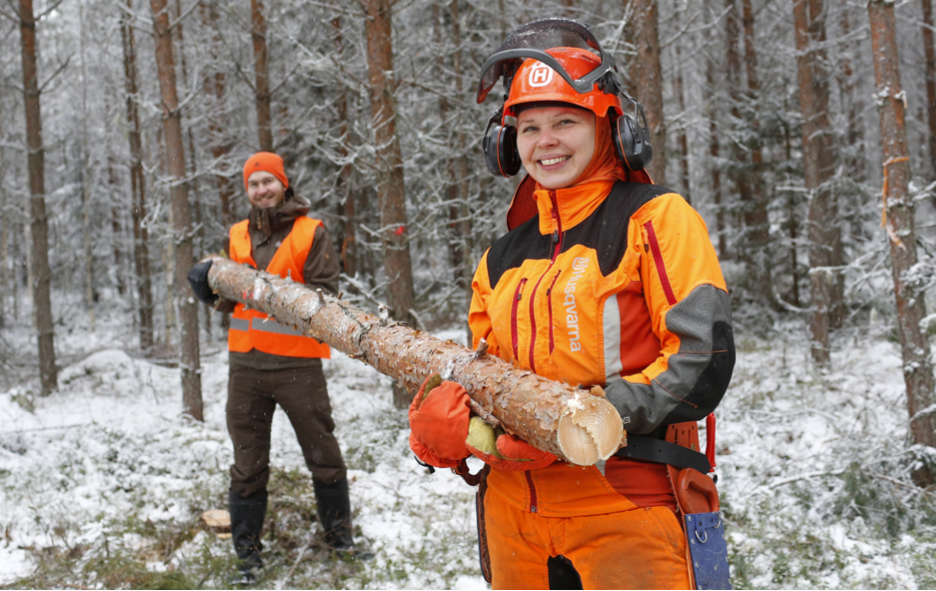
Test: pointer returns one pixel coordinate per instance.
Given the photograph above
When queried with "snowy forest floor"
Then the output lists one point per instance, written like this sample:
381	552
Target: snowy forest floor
102	483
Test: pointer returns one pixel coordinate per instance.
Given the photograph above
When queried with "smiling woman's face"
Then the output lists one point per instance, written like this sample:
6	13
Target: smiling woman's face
556	144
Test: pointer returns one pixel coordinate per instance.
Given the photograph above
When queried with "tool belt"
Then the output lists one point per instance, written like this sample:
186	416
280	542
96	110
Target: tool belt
649	449
697	503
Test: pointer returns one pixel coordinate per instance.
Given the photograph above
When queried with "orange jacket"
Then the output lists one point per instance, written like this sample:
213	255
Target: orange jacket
612	284
251	329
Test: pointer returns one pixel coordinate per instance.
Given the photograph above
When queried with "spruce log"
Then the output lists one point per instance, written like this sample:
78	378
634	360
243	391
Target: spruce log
579	426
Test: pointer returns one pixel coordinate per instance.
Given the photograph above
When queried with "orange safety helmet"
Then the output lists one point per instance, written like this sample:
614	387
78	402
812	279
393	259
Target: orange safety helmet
536	82
558	60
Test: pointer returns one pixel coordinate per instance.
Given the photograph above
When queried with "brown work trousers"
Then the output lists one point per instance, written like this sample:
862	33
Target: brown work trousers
252	398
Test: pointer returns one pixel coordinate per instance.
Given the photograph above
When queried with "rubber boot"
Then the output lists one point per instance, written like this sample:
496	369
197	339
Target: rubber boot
247	515
334	509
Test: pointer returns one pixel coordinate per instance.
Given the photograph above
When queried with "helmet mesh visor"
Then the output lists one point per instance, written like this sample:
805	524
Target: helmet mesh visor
539	35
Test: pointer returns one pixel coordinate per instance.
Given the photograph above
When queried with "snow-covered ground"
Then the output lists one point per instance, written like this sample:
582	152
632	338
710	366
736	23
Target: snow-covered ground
102	483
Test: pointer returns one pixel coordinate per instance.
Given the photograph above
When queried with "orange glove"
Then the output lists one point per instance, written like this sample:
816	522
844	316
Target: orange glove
503	451
438	418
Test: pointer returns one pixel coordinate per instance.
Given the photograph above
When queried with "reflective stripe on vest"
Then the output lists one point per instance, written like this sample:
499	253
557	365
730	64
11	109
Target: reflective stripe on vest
272	326
251	329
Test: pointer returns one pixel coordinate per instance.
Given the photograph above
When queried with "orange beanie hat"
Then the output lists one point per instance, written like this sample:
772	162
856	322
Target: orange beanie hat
267	162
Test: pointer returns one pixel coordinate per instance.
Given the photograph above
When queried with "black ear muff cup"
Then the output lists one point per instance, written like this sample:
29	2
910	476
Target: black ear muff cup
631	143
500	150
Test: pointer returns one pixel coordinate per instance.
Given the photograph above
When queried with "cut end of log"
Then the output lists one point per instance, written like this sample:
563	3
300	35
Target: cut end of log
593	431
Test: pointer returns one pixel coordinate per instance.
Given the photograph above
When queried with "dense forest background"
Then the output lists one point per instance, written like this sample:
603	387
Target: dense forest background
372	105
124	126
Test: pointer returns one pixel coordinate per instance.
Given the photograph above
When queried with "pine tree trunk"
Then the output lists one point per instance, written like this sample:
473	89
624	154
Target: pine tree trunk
213	85
347	212
7	279
141	260
819	165
390	182
714	165
189	363
899	206
264	119
540	411
6	284
930	55
737	171
683	138
755	212
462	222
647	77
117	237
451	188
792	219
855	134
41	273
85	170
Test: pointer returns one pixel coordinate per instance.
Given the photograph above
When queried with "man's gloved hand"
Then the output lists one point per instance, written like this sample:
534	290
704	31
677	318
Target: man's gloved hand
198	279
438	420
503	451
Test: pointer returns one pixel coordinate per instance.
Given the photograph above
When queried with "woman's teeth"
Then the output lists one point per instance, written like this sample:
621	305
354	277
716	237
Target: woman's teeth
551	161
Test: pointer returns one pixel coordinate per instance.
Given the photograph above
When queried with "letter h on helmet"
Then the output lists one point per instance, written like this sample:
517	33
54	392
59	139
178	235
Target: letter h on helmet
558	60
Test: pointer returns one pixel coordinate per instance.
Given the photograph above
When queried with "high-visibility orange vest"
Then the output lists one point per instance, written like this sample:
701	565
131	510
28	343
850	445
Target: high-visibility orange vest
251	329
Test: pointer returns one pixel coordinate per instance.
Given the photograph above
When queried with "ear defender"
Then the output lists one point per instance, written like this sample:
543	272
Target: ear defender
632	141
500	149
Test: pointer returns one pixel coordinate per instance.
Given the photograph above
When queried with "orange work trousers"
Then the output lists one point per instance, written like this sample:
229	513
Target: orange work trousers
641	548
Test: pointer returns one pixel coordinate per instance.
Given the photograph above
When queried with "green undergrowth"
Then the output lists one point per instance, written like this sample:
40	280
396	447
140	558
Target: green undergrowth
132	553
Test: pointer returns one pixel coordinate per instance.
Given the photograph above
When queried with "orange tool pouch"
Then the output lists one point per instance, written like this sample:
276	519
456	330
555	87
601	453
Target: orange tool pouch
698	511
695	491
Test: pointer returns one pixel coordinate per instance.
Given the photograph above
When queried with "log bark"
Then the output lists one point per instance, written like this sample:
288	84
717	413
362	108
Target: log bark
576	425
189	362
898	209
40	271
141	257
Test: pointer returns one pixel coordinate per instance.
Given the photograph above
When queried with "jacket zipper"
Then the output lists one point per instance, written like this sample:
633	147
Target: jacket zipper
557	235
552	342
529	478
514	336
661	268
557	247
533	323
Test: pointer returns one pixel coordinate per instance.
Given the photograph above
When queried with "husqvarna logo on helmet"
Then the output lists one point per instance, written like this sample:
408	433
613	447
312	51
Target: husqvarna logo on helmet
540	74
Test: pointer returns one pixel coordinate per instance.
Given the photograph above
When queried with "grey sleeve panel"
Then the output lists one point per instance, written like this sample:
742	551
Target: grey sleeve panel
697	376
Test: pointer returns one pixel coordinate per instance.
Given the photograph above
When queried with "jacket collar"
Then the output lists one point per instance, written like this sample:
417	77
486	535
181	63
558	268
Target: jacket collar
566	208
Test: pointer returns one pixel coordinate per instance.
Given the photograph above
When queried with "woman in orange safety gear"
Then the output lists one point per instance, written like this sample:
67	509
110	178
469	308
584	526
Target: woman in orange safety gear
603	279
